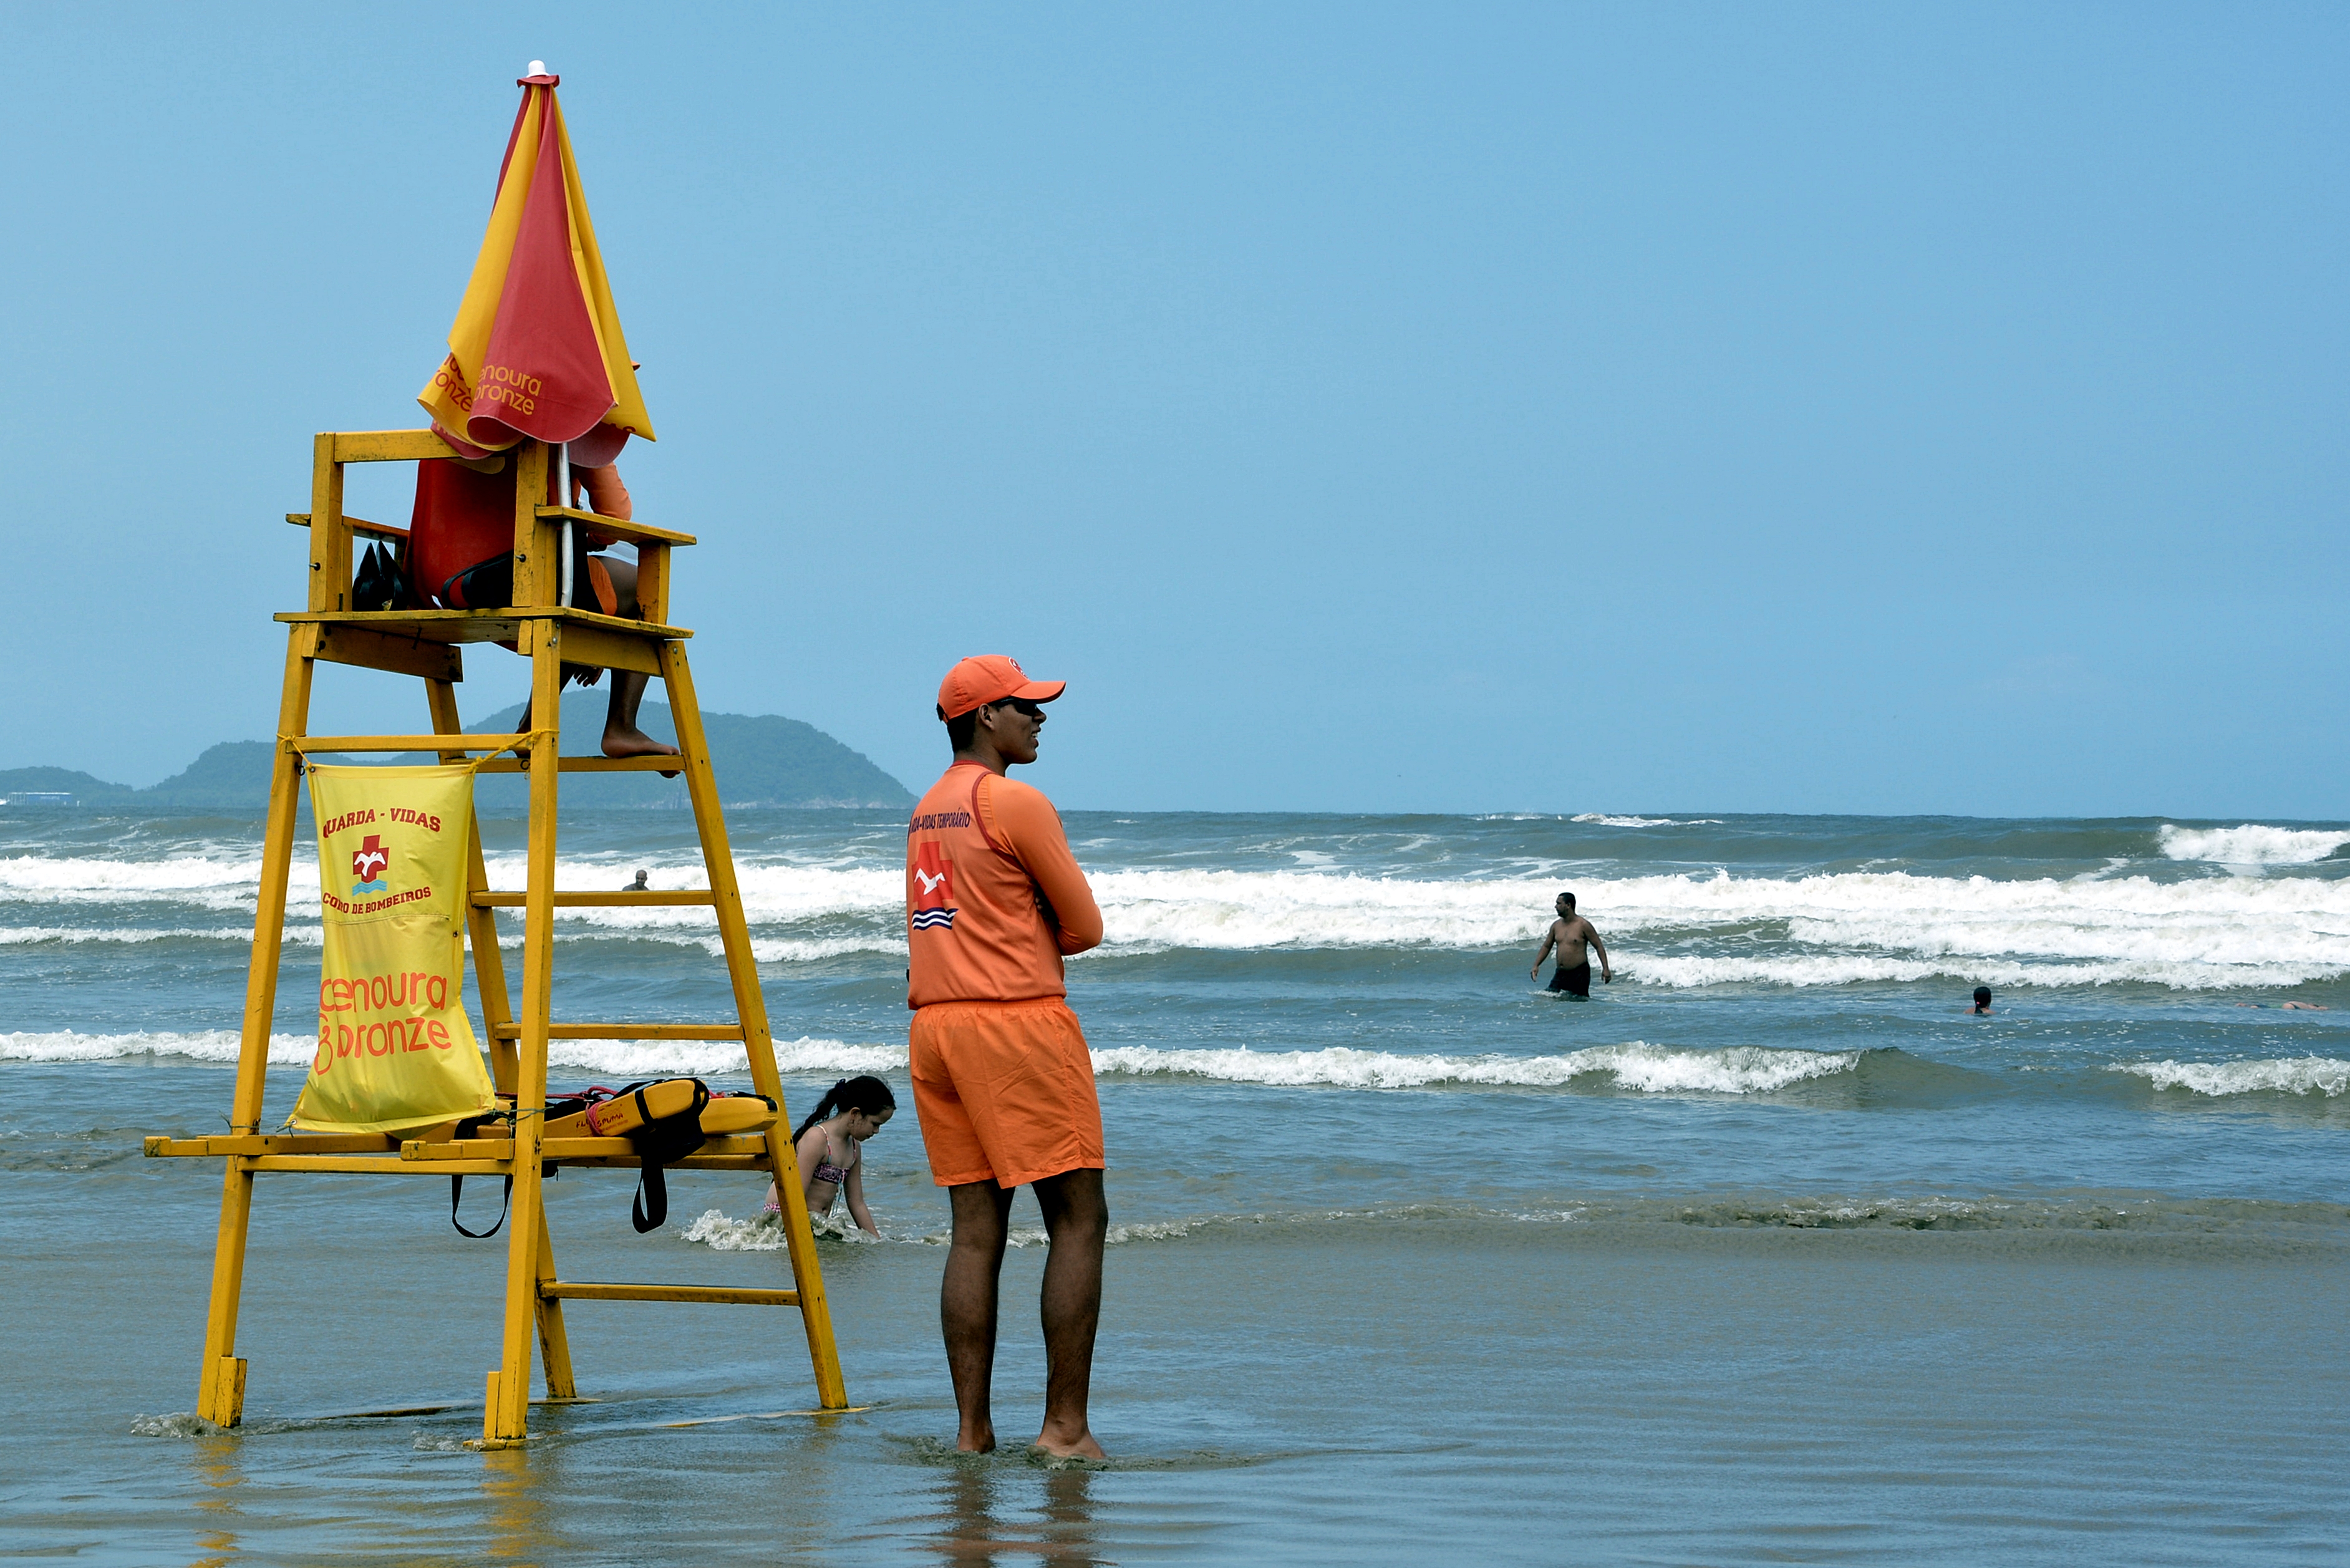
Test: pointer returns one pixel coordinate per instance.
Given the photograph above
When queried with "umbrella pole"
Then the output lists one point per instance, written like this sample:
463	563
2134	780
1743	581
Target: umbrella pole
563	498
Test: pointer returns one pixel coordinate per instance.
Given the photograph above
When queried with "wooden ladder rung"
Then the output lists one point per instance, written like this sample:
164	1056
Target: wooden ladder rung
162	1147
590	765
627	1030
486	899
310	743
579	1290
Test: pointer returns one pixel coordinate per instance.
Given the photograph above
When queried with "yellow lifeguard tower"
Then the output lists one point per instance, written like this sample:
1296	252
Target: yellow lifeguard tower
428	643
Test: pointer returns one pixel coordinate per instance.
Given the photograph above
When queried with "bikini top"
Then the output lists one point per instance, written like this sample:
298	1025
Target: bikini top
828	1171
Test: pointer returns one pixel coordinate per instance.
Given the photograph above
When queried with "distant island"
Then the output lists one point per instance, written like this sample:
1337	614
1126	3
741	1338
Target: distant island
761	760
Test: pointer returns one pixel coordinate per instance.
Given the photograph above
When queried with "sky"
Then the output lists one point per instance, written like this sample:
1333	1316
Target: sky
1364	408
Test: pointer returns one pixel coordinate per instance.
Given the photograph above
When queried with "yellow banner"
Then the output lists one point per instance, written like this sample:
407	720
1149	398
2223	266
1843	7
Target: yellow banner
396	1050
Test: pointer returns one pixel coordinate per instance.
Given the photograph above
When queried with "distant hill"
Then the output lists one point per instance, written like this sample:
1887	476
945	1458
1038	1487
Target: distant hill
230	776
760	761
82	786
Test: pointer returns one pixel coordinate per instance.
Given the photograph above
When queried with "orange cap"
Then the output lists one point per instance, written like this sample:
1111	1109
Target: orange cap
991	678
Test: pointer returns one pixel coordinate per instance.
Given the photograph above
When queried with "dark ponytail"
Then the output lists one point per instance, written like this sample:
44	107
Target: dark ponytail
864	1093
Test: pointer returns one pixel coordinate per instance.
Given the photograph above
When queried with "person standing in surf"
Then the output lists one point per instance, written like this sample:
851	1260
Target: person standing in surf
1567	934
1003	1084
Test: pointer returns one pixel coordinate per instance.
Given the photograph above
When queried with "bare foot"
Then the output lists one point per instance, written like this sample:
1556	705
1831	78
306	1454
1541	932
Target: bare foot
1082	1447
624	742
979	1439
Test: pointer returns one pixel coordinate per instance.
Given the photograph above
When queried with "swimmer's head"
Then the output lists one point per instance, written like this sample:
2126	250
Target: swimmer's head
1567	903
1982	999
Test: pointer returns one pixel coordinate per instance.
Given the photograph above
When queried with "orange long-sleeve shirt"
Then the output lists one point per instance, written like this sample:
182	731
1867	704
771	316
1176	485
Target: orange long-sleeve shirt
464	516
994	898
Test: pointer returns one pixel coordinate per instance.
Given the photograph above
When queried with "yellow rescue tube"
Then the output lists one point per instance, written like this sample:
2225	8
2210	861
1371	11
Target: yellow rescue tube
738	1114
619	1116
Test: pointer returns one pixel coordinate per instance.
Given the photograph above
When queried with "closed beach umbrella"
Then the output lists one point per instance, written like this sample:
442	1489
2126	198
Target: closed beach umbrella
536	351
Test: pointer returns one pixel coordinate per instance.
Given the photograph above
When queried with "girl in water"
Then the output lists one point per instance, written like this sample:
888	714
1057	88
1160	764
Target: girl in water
830	1145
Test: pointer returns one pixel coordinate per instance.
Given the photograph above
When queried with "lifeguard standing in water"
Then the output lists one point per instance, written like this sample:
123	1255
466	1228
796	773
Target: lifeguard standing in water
1003	1080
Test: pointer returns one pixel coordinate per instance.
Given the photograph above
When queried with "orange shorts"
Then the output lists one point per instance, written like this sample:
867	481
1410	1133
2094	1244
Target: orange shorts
1004	1090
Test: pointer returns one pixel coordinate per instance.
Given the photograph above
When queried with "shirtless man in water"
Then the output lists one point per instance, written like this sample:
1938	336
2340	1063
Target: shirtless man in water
1567	934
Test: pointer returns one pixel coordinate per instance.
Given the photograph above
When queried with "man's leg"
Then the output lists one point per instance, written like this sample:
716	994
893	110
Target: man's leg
621	736
983	1212
1077	1218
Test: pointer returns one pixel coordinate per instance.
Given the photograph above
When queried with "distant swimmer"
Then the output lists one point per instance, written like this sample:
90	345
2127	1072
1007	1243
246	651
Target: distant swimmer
1982	1002
640	886
2290	1006
1567	934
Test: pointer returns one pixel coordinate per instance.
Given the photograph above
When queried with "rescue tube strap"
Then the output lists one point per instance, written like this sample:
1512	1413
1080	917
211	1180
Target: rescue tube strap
457	1190
657	1144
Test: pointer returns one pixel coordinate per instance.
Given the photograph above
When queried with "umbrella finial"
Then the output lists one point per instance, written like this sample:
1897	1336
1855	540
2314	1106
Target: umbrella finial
537	69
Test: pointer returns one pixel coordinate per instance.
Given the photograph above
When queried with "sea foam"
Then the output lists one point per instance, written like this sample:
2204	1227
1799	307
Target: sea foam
1741	1070
721	1233
1685	928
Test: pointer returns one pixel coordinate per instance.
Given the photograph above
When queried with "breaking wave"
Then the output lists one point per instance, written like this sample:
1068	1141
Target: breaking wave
619	1058
2251	844
223	881
71	935
1636	1066
199	1045
2324	1076
628	1059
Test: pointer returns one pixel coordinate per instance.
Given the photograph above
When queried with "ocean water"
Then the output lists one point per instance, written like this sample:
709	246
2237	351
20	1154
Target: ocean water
1770	1252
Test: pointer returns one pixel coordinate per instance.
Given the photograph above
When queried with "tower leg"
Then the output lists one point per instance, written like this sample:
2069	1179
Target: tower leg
554	1343
508	1416
220	1387
751	1007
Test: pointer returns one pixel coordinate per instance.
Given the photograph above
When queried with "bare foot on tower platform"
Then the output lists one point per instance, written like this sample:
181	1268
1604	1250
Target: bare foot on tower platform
634	743
621	736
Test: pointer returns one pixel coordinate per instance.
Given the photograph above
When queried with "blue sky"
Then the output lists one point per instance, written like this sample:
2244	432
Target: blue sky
1364	408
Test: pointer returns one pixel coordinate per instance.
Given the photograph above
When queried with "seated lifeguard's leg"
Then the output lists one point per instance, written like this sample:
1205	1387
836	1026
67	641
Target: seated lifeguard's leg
621	736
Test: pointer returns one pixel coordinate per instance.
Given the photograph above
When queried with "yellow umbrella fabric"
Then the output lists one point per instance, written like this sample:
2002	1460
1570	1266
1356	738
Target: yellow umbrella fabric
536	351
